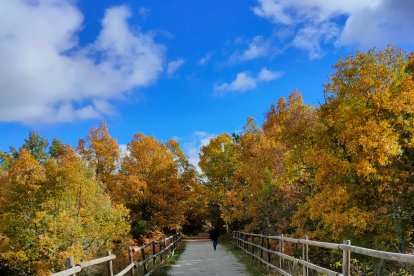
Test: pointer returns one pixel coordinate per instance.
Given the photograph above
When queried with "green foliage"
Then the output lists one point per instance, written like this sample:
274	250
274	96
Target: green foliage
6	159
36	146
56	148
55	210
139	228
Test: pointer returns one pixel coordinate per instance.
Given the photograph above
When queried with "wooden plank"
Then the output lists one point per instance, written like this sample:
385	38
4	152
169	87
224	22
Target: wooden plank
68	272
310	265
346	260
252	247
70	262
268	253
295	260
97	261
252	235
398	257
327	245
304	241
241	241
320	269
131	259
154	251
304	258
126	270
268	264
109	268
261	244
404	258
281	249
306	255
172	244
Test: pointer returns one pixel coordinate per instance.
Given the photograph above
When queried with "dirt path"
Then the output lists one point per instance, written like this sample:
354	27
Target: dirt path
199	258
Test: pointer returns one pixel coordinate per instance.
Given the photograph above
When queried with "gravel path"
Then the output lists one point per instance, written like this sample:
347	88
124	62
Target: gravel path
199	258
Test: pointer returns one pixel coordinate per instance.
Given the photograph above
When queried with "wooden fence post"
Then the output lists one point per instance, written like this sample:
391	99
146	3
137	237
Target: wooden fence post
144	265
173	245
109	265
240	242
252	246
346	260
131	259
268	253
281	250
261	244
153	252
236	236
165	246
161	255
70	262
305	256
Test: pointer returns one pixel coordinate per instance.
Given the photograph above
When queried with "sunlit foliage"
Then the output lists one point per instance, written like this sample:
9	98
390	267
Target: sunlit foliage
343	170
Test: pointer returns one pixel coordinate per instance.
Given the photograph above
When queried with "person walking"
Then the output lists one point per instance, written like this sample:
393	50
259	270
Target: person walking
214	236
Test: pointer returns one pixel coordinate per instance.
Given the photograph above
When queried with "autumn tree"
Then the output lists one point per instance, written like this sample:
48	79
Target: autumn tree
56	148
34	144
6	159
273	176
219	160
101	151
189	178
347	164
364	179
150	176
54	210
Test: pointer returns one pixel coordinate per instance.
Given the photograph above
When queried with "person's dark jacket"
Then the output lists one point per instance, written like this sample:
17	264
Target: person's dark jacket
214	234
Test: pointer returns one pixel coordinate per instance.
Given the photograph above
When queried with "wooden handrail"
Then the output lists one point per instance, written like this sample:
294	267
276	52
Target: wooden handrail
72	269
68	272
241	241
290	258
97	261
398	257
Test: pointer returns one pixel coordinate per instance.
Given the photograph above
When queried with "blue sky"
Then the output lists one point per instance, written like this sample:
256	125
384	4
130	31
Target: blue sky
175	69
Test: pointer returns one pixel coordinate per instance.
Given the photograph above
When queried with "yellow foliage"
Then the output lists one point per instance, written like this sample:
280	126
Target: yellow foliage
53	211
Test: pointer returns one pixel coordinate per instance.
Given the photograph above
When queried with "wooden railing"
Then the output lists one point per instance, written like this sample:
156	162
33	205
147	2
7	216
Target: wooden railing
258	250
160	250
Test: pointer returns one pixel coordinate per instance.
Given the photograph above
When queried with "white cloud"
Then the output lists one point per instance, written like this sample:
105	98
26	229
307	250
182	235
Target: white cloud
368	23
244	82
267	75
310	38
272	10
257	47
193	146
47	77
204	60
288	12
123	151
173	66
